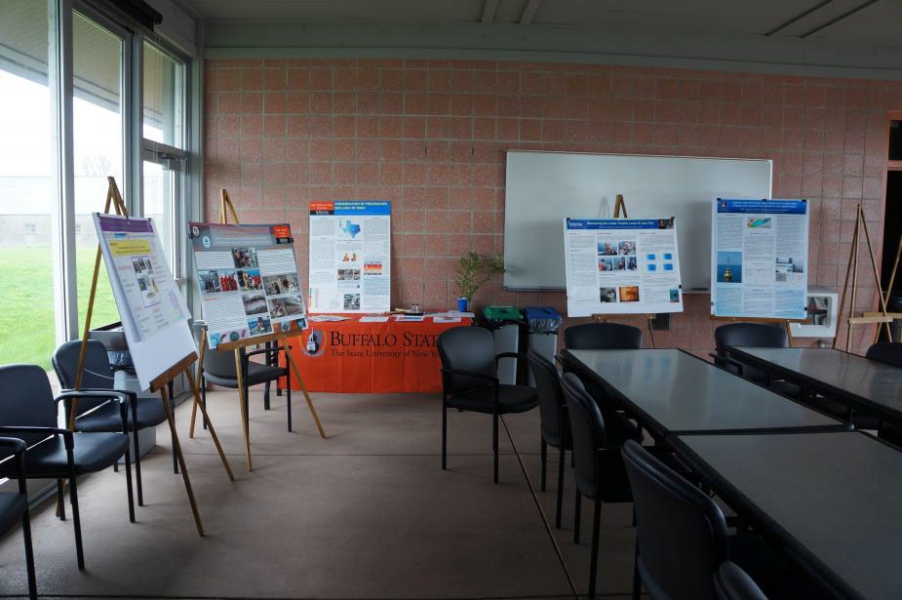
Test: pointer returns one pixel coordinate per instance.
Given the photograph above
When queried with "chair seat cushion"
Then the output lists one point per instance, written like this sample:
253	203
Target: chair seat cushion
11	508
92	452
511	399
106	418
256	373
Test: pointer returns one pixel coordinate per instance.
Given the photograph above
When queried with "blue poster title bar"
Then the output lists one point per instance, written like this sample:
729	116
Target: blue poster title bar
620	223
768	207
362	207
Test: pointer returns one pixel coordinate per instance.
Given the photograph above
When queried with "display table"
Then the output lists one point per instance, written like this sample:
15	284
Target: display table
354	357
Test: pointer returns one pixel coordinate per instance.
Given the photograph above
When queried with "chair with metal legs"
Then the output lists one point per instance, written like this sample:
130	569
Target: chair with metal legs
14	506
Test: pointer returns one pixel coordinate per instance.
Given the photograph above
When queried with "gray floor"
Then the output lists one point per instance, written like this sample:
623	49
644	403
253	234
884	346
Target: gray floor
366	513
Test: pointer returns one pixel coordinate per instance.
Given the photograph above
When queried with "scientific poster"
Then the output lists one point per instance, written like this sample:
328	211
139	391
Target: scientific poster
153	313
248	280
759	258
350	256
622	266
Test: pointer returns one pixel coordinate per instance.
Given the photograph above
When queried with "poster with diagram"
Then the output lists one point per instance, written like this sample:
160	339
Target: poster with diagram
152	310
622	266
248	280
759	264
350	256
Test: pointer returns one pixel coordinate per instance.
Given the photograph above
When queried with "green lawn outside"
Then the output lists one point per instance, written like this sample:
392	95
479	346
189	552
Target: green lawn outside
26	297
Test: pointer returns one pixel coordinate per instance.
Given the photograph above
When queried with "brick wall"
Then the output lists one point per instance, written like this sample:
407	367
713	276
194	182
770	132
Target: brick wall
430	136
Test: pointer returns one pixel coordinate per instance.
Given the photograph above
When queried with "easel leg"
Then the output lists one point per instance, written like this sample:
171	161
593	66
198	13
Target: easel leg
181	459
297	374
788	327
651	330
242	401
197	403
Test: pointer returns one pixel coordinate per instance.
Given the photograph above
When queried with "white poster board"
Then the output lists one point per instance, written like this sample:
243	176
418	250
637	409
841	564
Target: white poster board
622	266
759	258
153	313
248	280
350	256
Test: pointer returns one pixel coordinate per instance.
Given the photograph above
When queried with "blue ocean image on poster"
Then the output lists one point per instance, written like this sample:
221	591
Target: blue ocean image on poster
729	267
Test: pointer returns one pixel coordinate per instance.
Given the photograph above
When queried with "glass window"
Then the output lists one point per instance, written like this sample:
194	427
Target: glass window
159	201
163	98
895	140
97	140
27	330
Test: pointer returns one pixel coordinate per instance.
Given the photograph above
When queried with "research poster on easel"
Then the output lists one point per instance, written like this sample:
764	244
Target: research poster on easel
759	258
350	256
153	313
622	266
248	280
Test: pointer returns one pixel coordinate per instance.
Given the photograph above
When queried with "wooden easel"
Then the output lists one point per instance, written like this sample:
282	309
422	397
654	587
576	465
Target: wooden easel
878	318
620	204
160	383
282	337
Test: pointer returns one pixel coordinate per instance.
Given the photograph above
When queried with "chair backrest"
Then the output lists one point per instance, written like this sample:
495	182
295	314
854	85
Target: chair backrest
467	349
732	583
588	433
97	372
551	396
602	336
218	363
754	335
682	532
888	352
26	400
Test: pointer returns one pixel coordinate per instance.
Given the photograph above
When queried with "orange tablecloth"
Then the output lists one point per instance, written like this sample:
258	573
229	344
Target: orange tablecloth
354	357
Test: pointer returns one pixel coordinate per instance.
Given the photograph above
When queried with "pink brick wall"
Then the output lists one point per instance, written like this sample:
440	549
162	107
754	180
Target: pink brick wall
430	136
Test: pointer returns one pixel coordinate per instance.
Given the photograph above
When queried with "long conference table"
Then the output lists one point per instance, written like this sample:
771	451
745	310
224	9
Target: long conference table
828	495
670	391
868	385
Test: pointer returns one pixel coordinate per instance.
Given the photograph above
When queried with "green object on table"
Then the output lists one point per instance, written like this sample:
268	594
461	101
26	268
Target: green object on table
494	314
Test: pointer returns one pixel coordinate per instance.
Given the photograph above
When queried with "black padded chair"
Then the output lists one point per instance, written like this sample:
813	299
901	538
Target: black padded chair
14	505
28	411
554	421
683	538
102	414
890	353
754	335
604	336
732	583
598	468
219	368
470	382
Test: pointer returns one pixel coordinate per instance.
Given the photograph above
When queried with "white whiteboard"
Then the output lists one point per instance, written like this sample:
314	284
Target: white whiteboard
543	188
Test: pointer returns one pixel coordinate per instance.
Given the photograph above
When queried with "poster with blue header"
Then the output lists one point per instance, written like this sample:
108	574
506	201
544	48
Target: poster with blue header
622	266
350	256
759	258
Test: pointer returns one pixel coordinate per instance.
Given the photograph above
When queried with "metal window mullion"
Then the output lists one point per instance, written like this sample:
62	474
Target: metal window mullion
62	214
133	94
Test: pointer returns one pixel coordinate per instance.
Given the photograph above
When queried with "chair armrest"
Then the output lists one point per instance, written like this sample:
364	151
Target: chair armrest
275	350
493	380
510	355
723	361
16	444
49	431
120	395
18	458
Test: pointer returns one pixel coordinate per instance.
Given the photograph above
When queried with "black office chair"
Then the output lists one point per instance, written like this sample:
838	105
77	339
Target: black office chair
219	368
732	583
890	353
753	335
598	467
554	421
470	382
604	336
28	410
102	414
14	505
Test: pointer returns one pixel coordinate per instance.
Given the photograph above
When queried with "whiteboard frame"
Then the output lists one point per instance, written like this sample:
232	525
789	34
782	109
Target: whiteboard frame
552	225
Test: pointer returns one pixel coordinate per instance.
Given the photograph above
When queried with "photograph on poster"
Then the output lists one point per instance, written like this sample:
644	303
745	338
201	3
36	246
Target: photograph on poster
259	326
729	267
607	294
629	293
209	281
607	248
250	280
254	303
351	302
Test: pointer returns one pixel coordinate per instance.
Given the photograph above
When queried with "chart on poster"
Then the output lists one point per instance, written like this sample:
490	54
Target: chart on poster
248	280
153	313
622	266
759	258
350	256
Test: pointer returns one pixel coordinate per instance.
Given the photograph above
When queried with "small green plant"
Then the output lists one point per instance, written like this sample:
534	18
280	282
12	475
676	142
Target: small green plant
474	270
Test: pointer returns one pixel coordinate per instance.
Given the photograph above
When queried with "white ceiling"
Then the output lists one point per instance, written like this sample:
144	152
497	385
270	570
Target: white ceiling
788	34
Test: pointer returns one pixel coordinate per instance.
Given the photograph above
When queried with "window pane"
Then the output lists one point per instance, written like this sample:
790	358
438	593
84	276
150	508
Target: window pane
895	140
159	191
27	333
98	132
163	115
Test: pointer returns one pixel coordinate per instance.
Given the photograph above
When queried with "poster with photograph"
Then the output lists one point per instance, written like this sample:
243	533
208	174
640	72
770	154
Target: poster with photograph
759	263
622	266
350	256
248	280
152	310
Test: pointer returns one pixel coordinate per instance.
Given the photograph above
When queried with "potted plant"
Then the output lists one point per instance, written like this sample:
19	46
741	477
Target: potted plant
472	271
